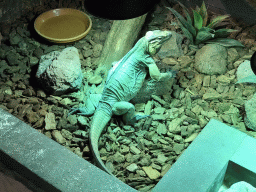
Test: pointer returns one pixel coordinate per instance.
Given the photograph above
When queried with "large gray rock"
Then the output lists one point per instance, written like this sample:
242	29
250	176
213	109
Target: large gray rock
172	47
250	108
244	70
60	72
211	59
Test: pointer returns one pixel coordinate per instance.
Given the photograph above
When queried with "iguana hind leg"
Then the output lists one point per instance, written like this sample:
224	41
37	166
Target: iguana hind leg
128	111
89	108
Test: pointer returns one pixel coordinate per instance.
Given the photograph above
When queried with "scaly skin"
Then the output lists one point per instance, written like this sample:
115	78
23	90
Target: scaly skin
100	120
124	81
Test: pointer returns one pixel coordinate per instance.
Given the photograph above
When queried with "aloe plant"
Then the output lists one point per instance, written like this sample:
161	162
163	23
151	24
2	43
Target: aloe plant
200	31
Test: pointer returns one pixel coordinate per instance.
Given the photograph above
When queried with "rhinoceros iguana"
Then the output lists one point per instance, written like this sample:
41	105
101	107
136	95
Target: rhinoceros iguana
124	81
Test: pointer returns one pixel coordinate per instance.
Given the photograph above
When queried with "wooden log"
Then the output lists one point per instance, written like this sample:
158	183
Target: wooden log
120	40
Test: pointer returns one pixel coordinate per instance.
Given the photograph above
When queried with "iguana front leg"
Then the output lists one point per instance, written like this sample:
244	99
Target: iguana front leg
127	109
156	74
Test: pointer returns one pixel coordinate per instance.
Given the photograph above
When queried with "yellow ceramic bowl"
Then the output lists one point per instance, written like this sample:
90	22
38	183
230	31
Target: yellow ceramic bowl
63	25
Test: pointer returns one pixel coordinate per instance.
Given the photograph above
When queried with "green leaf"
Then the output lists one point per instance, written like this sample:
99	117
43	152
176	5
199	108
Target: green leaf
204	34
198	20
223	32
197	8
187	33
181	19
187	13
249	79
203	13
226	42
217	20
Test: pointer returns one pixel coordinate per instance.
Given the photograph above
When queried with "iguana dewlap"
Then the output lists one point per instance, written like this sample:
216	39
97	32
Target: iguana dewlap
124	81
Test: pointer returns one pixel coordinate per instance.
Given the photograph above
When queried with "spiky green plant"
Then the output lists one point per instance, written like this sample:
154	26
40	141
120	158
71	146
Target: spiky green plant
200	31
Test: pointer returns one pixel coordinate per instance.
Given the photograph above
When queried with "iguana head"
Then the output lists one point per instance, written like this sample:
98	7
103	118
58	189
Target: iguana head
156	39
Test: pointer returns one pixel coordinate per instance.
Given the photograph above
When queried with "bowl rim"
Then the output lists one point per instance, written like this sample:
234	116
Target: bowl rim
67	39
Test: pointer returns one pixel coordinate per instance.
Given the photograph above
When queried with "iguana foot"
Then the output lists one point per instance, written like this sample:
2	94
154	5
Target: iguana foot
136	118
82	111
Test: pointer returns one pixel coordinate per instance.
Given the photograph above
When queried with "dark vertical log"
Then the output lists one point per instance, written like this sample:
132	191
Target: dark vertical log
120	40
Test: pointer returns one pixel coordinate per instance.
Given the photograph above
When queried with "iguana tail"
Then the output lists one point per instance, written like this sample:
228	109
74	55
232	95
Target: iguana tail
100	120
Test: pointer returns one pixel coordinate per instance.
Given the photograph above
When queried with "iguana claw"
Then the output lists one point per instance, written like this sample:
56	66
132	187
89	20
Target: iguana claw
82	111
72	111
137	118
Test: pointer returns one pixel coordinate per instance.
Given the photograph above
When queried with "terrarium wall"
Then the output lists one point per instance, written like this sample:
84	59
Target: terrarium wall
10	10
13	9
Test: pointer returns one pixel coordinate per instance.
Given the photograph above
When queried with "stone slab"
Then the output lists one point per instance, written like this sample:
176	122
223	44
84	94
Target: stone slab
203	164
217	151
46	163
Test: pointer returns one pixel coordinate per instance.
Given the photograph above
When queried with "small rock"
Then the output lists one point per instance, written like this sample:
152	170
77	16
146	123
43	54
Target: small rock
134	150
157	117
170	61
211	94
66	101
156	166
67	134
32	117
159	110
119	158
145	161
148	107
58	137
80	133
178	148
132	168
97	50
140	107
191	138
209	114
33	61
39	123
161	158
41	94
178	138
87	53
50	123
110	166
13	103
82	120
185	61
78	152
141	173
124	149
165	169
161	129
72	119
176	123
38	52
151	173
96	79
206	81
14	40
21	86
